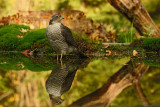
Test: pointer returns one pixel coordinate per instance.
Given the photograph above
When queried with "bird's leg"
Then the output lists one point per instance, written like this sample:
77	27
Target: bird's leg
57	57
61	62
61	58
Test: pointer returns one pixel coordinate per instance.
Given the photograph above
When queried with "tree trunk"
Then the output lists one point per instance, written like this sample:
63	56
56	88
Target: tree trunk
125	77
136	13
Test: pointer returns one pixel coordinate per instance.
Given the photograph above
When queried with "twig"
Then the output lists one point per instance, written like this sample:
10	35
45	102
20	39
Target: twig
6	95
115	43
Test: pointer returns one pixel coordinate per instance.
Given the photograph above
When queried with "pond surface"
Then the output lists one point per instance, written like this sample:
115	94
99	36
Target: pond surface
115	80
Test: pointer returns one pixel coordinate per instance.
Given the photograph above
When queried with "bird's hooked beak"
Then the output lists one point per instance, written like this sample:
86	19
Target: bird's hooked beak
56	99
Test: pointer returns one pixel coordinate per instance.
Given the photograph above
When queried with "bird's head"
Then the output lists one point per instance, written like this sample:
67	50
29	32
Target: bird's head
56	99
55	19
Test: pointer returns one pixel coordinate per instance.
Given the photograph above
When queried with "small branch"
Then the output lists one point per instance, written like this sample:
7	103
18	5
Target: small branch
115	43
141	94
6	95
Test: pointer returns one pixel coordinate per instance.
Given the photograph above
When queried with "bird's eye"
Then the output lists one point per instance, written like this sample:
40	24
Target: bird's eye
58	16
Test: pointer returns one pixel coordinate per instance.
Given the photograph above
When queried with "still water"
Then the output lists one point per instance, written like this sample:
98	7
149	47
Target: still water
115	80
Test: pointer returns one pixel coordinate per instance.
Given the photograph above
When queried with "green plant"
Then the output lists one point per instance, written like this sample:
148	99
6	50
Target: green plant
131	31
126	36
149	31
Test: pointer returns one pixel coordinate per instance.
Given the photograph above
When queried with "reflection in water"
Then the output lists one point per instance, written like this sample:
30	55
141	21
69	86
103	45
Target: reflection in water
60	79
128	75
20	87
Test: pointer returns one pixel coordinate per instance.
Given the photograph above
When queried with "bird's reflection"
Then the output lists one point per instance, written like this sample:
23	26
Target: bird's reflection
61	77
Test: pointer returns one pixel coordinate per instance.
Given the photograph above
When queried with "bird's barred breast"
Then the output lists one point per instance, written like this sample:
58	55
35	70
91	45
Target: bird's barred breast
53	32
55	82
56	39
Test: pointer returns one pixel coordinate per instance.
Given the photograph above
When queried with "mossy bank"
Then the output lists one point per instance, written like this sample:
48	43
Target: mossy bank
21	37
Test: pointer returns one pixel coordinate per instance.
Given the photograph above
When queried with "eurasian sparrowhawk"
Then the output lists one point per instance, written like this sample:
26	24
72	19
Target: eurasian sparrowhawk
60	36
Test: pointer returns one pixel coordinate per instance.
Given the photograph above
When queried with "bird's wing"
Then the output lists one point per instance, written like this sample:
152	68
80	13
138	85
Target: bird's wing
67	34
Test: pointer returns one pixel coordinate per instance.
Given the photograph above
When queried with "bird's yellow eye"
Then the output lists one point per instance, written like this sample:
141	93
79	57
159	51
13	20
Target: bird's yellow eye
58	16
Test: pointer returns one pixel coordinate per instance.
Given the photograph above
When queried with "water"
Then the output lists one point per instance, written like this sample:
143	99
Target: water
115	80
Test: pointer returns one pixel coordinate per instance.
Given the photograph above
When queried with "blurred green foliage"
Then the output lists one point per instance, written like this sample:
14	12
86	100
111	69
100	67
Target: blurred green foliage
4	83
98	10
102	11
126	35
2	5
149	82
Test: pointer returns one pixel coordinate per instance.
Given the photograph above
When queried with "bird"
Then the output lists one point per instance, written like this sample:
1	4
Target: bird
60	37
61	78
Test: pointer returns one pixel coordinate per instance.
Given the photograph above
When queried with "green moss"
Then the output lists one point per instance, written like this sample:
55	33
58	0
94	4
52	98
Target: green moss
152	60
12	29
151	44
1	26
8	35
41	41
10	39
20	62
38	66
9	42
11	62
36	39
82	37
48	48
32	37
121	48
